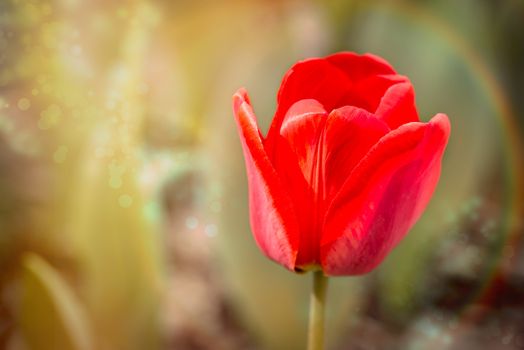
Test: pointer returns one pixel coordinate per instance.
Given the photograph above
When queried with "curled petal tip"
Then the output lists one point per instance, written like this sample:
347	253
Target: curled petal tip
441	121
239	98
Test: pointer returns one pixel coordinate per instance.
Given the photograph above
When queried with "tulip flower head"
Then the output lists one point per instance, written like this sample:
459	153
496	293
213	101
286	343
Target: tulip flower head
346	168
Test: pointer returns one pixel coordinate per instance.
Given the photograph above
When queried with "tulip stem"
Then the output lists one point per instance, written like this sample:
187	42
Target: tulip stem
316	311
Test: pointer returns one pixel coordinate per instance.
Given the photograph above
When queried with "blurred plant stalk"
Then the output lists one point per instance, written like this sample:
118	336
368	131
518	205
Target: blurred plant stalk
118	248
317	306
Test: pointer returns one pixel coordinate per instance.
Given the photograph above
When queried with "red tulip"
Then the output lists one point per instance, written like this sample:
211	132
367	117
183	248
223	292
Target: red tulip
346	168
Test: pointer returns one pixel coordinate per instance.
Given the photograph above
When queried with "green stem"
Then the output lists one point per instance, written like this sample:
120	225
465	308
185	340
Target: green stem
316	312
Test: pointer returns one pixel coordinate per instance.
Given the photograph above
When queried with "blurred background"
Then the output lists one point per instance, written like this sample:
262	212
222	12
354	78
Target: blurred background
123	195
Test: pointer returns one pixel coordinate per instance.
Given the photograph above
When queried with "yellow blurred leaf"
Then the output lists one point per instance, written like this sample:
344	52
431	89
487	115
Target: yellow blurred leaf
50	315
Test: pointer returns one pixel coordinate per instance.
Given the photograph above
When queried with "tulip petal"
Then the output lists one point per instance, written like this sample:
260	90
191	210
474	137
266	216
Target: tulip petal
383	197
368	93
272	216
297	160
314	156
358	67
310	79
397	105
301	131
370	75
349	134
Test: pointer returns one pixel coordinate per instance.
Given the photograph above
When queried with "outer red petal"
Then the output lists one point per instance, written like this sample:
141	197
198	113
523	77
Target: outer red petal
297	161
383	197
397	106
349	134
272	217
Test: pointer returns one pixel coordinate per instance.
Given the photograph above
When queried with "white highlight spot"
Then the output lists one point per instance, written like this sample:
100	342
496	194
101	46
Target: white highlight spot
191	222
211	230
